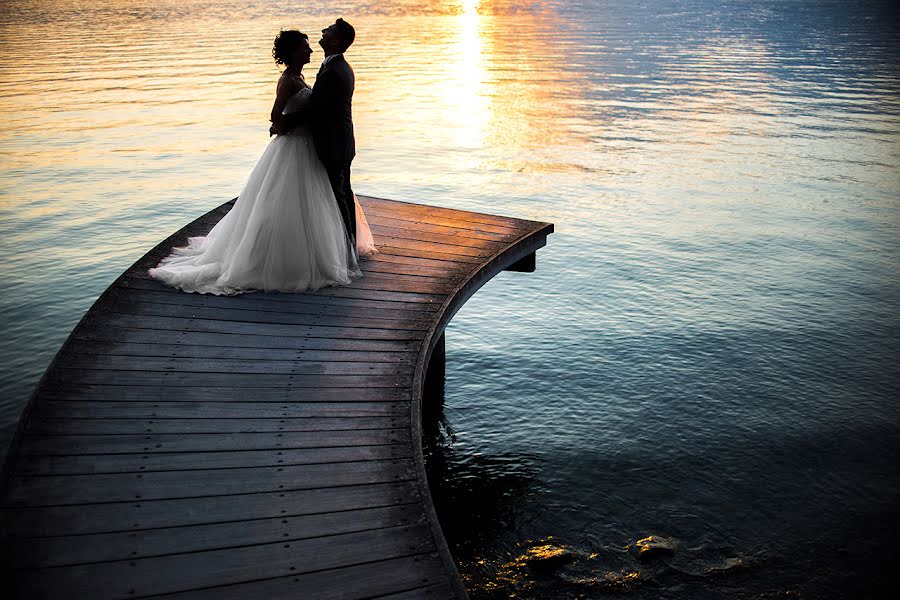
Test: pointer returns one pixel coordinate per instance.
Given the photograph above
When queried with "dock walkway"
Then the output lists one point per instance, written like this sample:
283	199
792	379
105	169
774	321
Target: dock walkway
253	447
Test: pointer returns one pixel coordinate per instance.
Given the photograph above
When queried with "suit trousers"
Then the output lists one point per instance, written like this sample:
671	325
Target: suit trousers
339	176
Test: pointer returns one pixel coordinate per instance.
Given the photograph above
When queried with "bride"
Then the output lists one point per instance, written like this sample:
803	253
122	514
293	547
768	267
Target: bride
285	231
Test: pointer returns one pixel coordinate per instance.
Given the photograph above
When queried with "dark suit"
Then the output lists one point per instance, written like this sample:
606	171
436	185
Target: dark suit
330	118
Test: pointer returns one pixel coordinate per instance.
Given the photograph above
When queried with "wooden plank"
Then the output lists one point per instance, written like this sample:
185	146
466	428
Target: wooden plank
385	231
255	317
91	330
259	303
457	214
325	302
405	207
452	261
452	252
151	514
168	574
60	490
271	329
150	393
449	276
347	583
60	551
411	224
67	445
140	463
75	409
41	425
366	294
443	220
74	360
453	268
360	289
401	219
114	347
393	288
405	297
404	283
460	218
63	376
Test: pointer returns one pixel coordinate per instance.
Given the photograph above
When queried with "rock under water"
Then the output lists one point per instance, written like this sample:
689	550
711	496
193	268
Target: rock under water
653	546
547	557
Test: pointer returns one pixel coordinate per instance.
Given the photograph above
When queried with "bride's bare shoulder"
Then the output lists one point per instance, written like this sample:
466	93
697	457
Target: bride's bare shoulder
290	83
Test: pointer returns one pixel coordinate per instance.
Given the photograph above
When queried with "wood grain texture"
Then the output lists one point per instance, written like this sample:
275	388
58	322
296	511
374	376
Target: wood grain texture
266	445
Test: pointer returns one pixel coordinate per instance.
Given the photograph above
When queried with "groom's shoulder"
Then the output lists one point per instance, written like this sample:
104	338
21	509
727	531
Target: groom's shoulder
342	66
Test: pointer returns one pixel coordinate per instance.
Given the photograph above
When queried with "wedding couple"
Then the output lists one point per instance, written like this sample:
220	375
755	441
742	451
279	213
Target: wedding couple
296	225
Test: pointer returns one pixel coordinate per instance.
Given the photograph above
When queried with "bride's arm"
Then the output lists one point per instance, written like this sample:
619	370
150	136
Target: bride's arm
287	87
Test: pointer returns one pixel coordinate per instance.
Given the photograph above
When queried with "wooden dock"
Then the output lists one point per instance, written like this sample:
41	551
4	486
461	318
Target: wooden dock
257	447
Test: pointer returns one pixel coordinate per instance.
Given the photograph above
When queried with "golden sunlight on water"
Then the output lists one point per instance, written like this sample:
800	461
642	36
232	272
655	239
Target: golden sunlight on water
482	88
464	92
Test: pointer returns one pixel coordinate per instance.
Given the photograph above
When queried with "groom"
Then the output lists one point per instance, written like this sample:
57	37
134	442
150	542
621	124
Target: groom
329	116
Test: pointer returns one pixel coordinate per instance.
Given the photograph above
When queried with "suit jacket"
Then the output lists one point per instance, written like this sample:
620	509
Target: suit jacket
329	114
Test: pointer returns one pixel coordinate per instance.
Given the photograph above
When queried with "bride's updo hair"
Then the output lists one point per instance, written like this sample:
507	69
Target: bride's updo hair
285	43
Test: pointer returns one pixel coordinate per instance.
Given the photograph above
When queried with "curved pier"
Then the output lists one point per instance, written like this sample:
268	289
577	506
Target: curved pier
257	446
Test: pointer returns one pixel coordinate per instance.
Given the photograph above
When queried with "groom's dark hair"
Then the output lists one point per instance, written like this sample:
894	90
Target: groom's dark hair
346	33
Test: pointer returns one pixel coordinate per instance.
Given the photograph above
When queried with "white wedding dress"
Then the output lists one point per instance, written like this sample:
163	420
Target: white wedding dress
284	232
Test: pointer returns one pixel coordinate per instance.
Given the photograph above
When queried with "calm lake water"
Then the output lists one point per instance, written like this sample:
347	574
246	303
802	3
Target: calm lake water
709	350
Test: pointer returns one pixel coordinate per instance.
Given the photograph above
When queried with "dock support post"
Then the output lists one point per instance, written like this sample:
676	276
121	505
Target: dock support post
525	265
433	394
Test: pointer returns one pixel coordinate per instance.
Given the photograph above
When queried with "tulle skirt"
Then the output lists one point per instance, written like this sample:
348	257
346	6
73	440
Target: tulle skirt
284	232
365	241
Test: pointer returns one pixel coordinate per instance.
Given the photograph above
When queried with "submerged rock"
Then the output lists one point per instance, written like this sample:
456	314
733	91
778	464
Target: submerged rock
653	546
729	564
547	557
624	581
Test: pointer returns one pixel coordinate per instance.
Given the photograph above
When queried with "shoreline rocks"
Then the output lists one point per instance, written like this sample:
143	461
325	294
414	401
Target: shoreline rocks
653	546
547	557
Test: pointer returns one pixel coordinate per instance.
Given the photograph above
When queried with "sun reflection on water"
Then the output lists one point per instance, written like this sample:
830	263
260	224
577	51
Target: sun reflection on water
466	103
470	7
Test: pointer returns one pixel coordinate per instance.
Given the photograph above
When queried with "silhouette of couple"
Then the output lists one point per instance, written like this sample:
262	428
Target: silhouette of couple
296	225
